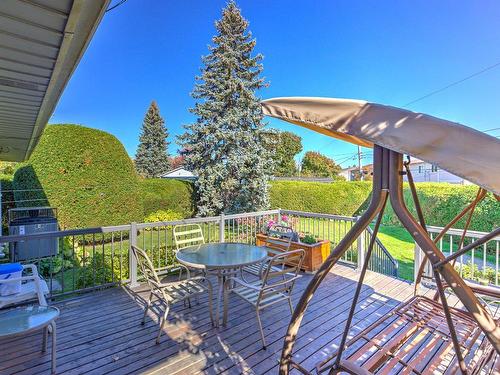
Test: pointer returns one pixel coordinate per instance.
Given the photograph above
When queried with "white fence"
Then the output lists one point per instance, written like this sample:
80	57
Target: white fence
93	258
480	264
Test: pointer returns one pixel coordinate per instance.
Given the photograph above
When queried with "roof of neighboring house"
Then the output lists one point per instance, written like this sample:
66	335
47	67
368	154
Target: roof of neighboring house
179	172
41	44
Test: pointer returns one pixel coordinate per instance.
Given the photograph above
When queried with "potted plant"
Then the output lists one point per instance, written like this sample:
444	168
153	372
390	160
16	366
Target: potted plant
317	250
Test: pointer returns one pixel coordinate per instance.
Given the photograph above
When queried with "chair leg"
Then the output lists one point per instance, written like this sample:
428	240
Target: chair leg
148	305
226	297
210	302
54	347
45	333
290	304
162	323
261	330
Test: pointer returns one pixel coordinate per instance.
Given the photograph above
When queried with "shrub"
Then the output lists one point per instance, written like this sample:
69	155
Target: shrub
162	215
441	202
166	194
7	200
339	198
85	173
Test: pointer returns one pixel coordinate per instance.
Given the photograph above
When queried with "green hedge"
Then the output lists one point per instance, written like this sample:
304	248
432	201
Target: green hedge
165	194
7	199
339	198
85	173
441	202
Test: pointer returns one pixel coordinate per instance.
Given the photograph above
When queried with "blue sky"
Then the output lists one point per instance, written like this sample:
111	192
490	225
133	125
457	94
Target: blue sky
390	52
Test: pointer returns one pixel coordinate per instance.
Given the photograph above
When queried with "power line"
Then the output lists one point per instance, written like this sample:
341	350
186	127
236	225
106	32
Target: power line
116	5
453	84
490	130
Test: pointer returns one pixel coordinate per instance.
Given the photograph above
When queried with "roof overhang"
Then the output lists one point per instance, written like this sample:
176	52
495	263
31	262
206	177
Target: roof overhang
41	43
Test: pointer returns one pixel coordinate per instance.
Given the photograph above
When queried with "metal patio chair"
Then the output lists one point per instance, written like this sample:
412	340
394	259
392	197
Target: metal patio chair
170	293
276	285
188	235
277	242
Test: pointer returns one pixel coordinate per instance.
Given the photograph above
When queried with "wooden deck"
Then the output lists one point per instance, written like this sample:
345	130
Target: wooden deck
100	332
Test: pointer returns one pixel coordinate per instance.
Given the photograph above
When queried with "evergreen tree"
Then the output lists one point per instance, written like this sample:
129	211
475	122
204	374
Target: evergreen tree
224	147
151	158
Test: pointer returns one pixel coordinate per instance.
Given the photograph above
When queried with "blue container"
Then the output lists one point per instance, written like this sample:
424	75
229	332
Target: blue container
10	271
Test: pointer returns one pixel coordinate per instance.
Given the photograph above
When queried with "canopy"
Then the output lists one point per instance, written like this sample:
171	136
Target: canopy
456	148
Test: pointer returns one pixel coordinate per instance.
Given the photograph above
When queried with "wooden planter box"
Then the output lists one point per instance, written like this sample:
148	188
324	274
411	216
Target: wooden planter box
315	253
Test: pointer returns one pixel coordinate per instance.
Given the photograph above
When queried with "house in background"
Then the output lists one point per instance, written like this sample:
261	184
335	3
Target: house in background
179	174
427	172
350	173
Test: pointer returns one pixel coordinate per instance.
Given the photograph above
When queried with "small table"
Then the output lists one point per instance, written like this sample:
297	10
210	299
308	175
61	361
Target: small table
223	258
23	320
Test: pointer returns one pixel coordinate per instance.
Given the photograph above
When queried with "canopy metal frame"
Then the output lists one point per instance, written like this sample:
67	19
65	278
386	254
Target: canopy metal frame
388	186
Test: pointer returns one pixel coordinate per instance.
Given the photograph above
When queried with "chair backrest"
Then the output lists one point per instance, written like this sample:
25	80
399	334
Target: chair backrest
279	238
188	235
289	264
146	267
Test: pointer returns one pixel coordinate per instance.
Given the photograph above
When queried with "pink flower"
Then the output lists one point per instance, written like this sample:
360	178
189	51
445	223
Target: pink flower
284	218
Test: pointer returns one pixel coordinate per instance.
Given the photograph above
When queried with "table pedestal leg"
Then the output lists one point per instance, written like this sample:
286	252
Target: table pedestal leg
54	347
220	281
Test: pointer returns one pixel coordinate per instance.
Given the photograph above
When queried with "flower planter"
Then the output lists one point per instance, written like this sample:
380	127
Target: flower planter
315	253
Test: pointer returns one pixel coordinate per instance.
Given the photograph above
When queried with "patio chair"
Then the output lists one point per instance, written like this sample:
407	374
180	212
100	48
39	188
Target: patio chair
188	235
278	241
170	293
33	287
275	286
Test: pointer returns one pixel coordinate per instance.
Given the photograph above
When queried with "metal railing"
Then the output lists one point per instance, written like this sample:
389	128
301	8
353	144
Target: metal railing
480	264
334	228
94	258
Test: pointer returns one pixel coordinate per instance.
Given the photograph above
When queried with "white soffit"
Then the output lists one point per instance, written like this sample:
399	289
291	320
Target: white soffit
41	43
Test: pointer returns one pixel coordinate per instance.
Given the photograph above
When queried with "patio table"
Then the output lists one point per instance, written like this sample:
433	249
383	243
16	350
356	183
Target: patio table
221	259
23	320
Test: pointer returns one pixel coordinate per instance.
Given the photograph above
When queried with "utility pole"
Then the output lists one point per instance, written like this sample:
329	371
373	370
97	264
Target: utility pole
360	167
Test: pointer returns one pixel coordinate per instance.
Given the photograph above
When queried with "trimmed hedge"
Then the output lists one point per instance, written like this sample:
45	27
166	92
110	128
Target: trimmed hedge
7	199
441	202
165	194
339	198
85	173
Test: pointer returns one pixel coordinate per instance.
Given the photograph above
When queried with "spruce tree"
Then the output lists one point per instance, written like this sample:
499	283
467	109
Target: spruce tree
151	158
224	147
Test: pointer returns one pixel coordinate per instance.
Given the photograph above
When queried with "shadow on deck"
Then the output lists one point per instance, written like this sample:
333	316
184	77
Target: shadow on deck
100	332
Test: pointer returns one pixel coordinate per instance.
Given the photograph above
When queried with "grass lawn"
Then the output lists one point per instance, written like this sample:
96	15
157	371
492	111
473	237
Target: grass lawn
400	244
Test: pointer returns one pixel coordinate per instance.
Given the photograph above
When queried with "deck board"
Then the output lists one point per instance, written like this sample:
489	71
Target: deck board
100	332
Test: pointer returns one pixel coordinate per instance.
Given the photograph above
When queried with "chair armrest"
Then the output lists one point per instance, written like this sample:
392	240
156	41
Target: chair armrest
32	267
170	268
284	282
16	279
243	283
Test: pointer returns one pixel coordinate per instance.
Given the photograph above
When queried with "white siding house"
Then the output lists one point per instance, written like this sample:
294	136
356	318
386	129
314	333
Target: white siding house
179	174
426	172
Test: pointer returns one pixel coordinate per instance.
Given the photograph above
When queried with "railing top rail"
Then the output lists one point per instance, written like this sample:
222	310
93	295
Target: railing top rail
318	215
458	232
195	220
252	214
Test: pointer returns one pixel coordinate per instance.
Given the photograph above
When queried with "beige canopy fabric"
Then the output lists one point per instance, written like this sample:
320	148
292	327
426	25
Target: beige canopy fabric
456	148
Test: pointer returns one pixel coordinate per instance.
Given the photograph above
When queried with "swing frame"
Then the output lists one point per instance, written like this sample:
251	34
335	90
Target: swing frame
388	186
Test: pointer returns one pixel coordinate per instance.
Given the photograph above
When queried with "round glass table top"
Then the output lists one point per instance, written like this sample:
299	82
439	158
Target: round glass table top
25	319
221	255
